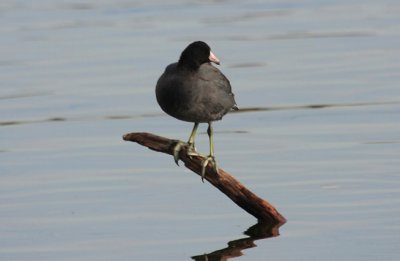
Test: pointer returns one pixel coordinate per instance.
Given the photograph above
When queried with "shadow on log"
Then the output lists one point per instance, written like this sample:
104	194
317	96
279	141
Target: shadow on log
237	192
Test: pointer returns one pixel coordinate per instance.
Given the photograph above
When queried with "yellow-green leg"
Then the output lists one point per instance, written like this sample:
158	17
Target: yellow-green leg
192	149
210	157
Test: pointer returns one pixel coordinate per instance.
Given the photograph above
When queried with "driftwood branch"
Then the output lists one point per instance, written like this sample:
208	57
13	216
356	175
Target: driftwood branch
237	192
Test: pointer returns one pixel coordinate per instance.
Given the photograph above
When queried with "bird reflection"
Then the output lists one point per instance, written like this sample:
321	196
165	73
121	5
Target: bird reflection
261	230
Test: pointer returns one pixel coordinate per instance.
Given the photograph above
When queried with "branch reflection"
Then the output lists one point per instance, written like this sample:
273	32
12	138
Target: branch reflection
261	230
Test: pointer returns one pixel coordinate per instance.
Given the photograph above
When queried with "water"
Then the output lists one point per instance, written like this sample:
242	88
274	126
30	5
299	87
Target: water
318	137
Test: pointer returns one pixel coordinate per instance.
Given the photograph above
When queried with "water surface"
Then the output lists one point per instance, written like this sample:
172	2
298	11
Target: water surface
318	135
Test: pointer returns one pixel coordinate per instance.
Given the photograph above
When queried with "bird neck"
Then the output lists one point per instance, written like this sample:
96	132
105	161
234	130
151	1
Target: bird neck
188	65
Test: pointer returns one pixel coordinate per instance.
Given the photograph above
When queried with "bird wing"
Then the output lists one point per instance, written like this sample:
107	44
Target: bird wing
214	78
215	91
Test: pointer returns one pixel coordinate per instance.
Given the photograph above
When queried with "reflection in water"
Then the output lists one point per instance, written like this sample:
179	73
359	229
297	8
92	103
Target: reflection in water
258	231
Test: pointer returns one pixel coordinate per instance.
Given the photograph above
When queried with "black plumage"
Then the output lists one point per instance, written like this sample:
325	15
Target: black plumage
193	90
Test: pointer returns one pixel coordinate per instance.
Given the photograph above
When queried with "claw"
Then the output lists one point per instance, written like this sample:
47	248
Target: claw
204	164
177	149
192	151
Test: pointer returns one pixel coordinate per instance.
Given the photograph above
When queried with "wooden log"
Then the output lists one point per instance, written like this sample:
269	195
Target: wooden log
226	183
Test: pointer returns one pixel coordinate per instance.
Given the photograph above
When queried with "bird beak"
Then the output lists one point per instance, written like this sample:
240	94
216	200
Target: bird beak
213	58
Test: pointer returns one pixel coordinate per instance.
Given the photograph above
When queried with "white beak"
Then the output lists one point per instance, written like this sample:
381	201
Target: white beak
213	58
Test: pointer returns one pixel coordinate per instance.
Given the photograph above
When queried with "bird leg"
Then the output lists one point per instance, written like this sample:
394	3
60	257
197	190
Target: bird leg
210	157
191	149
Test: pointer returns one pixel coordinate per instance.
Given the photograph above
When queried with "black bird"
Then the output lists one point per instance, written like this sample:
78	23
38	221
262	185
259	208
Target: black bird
195	91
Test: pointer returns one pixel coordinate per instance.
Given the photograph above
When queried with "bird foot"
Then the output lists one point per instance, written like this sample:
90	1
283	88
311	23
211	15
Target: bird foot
177	149
191	151
204	164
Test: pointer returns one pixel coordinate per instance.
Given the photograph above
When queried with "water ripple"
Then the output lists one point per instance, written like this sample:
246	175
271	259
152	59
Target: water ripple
241	110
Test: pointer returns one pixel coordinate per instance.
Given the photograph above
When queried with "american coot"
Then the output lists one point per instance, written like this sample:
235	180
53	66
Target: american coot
195	91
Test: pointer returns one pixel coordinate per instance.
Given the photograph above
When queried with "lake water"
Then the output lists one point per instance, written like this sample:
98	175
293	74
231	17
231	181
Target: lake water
318	136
